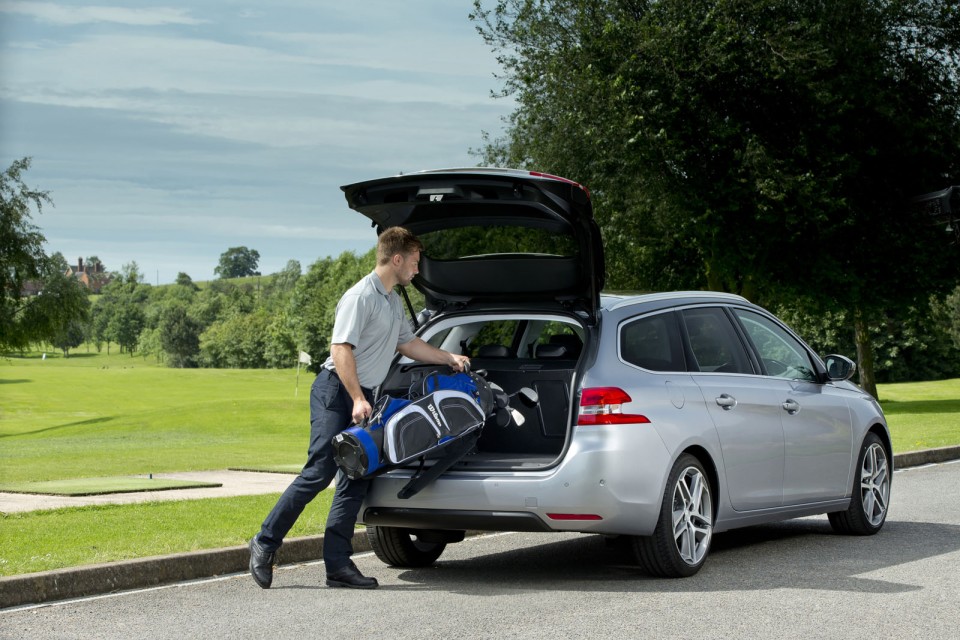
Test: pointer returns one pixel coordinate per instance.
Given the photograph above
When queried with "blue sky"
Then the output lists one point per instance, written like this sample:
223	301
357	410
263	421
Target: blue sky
167	133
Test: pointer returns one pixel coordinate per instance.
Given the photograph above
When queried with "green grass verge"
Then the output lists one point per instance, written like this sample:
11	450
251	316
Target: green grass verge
922	415
99	486
60	538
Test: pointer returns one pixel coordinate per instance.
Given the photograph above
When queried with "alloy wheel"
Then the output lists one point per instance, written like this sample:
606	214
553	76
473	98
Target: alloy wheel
875	484
692	515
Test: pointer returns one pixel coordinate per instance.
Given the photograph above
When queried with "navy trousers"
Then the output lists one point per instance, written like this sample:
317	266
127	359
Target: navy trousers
331	412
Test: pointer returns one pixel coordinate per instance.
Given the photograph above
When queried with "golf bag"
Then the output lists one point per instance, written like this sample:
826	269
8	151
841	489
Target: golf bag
445	409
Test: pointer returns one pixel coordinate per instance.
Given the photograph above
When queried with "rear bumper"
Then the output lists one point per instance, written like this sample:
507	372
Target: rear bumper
610	481
457	520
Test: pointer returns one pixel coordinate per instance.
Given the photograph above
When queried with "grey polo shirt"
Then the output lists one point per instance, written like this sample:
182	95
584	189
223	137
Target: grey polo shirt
371	319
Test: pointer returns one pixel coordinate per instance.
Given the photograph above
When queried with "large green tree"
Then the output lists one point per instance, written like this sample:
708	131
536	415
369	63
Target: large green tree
765	147
25	269
238	262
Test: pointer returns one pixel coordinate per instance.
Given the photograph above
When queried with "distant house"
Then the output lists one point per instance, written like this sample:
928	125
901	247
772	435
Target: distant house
93	277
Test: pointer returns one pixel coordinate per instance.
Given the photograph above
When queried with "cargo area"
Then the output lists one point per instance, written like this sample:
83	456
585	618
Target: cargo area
538	353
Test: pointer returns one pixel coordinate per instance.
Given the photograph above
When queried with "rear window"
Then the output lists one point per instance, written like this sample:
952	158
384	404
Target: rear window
473	241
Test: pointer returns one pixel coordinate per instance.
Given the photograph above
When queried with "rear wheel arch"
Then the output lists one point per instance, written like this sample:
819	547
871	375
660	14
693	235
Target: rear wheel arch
704	457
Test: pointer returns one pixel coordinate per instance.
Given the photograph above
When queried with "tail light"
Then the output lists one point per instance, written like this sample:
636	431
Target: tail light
604	405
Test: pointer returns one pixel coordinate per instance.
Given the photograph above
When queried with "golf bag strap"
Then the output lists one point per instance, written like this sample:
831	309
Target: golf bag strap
451	455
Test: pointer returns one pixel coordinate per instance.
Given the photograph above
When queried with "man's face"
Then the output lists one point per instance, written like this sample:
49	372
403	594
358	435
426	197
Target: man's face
409	266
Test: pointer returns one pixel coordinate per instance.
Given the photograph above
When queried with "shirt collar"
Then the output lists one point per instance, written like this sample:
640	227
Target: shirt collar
378	284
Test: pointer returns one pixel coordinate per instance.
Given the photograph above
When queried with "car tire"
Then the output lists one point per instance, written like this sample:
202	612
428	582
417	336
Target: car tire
399	547
870	497
681	539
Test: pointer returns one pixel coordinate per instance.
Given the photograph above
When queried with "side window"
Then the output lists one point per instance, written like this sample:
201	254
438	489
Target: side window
653	342
714	342
782	355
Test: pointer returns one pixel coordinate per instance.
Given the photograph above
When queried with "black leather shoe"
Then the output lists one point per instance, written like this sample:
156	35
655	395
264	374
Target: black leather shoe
351	578
261	564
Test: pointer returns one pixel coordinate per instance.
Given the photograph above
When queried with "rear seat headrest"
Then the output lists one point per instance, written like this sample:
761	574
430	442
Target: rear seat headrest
550	351
493	351
573	343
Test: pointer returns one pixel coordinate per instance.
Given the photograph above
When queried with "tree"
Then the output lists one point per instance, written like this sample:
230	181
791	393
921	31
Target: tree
130	273
238	262
68	337
180	336
29	318
21	250
764	147
119	315
184	280
125	326
236	342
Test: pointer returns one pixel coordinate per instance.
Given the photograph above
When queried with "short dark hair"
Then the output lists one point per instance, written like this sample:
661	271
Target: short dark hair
396	240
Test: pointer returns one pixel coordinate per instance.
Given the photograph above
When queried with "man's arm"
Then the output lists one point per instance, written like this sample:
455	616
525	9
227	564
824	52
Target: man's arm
419	350
346	366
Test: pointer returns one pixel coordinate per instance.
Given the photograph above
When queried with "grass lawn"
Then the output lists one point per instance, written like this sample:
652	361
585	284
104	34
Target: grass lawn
97	415
922	415
94	415
59	538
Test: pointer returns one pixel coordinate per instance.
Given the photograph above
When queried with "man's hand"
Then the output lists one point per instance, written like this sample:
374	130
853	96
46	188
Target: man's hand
459	362
361	410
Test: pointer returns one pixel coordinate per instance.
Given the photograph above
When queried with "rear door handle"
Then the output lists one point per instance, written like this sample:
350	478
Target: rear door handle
791	406
726	401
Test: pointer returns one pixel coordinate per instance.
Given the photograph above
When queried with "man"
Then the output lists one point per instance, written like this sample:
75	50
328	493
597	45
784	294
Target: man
368	329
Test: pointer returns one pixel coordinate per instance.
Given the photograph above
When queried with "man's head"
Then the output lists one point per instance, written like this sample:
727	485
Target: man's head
399	250
396	240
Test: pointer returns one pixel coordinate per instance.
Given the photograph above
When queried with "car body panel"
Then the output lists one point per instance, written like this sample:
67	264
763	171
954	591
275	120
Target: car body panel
819	443
751	438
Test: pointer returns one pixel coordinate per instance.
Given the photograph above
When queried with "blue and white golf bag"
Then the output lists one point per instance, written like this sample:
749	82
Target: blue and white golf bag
401	430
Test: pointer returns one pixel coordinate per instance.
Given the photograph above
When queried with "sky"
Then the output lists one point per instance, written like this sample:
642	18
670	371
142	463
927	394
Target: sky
167	133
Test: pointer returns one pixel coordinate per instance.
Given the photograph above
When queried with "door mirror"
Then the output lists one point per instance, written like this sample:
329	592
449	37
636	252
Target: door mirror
839	367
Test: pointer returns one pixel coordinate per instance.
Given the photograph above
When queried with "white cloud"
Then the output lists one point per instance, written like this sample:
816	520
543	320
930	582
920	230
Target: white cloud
235	124
67	15
104	63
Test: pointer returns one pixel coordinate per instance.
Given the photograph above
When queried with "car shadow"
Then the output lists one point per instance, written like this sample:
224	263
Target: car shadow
797	554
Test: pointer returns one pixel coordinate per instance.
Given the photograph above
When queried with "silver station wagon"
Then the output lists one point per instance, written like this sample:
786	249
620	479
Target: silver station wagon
662	418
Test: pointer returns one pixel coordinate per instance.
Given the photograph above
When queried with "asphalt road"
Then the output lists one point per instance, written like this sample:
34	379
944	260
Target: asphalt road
791	580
